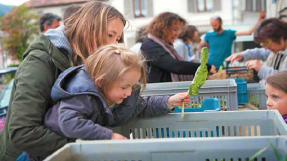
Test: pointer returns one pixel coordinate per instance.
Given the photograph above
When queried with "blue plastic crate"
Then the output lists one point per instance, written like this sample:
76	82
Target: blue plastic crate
242	94
209	104
241	85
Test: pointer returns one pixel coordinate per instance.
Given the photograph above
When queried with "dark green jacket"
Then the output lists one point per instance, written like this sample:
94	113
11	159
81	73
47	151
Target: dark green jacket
30	98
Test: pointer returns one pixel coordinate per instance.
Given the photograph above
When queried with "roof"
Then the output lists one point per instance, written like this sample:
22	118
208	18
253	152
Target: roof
48	3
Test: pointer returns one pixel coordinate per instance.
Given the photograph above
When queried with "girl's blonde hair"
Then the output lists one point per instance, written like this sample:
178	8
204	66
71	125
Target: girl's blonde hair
110	62
278	80
86	30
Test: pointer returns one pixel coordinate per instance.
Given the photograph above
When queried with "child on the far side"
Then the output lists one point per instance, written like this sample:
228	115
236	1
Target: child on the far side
104	92
276	92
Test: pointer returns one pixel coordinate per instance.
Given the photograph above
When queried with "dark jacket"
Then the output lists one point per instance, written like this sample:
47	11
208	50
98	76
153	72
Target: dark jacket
82	112
160	63
30	98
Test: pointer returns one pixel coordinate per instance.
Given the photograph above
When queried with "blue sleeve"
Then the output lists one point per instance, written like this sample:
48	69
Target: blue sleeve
74	122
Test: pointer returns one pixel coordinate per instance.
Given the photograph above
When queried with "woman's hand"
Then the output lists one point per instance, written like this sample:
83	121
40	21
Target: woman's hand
117	136
254	64
233	57
177	99
212	70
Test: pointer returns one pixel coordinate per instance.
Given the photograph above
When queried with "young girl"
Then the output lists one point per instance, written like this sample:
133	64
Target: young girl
104	92
276	92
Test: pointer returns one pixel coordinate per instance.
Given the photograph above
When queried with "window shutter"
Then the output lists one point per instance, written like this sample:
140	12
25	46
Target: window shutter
128	9
191	6
249	5
149	7
216	5
258	6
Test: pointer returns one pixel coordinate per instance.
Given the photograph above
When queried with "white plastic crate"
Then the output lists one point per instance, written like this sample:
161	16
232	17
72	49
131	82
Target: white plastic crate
224	90
256	95
184	149
207	124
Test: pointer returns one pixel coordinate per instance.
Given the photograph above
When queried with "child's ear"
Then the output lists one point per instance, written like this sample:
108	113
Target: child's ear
99	82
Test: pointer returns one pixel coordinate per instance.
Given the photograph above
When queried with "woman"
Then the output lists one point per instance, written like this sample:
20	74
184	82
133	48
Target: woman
94	25
186	38
272	35
165	65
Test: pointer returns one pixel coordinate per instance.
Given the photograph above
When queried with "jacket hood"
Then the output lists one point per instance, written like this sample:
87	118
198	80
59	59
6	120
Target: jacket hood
43	45
74	81
58	38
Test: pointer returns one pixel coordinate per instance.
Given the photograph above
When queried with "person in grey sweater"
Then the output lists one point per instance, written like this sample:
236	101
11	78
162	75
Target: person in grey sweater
104	93
272	35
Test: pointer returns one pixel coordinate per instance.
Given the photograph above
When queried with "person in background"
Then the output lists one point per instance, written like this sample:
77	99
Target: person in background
48	56
49	21
182	45
276	92
141	36
272	35
103	93
71	9
165	65
220	41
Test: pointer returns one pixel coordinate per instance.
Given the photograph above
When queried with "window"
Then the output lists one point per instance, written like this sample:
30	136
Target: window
255	5
204	5
195	6
140	9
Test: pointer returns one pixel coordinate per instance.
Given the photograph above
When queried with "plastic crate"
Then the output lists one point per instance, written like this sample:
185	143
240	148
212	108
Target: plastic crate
203	149
224	90
207	124
256	95
241	90
251	76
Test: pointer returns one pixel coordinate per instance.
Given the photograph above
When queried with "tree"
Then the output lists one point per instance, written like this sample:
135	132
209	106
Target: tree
21	25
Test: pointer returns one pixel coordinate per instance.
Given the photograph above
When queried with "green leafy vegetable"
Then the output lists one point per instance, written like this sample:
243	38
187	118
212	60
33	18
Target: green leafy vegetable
201	73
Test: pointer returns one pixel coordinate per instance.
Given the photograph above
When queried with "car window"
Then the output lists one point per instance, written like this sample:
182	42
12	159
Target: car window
5	96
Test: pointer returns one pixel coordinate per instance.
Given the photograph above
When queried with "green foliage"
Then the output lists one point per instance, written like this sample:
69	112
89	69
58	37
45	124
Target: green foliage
275	151
257	154
20	25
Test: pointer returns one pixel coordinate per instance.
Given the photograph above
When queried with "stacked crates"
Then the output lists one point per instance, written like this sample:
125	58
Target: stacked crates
203	149
208	136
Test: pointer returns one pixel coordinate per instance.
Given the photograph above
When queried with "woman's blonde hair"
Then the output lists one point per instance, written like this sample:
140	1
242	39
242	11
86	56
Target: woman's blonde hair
87	29
110	62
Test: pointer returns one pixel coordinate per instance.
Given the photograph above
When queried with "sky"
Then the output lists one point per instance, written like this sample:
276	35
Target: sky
13	2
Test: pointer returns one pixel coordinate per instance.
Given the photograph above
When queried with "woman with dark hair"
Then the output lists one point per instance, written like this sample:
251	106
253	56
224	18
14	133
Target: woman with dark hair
271	34
165	65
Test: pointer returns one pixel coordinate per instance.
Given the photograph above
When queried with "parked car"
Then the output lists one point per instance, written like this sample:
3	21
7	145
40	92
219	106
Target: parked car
5	98
6	93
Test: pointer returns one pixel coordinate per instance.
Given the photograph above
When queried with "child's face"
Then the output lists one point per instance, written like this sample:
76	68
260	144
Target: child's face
276	99
122	88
